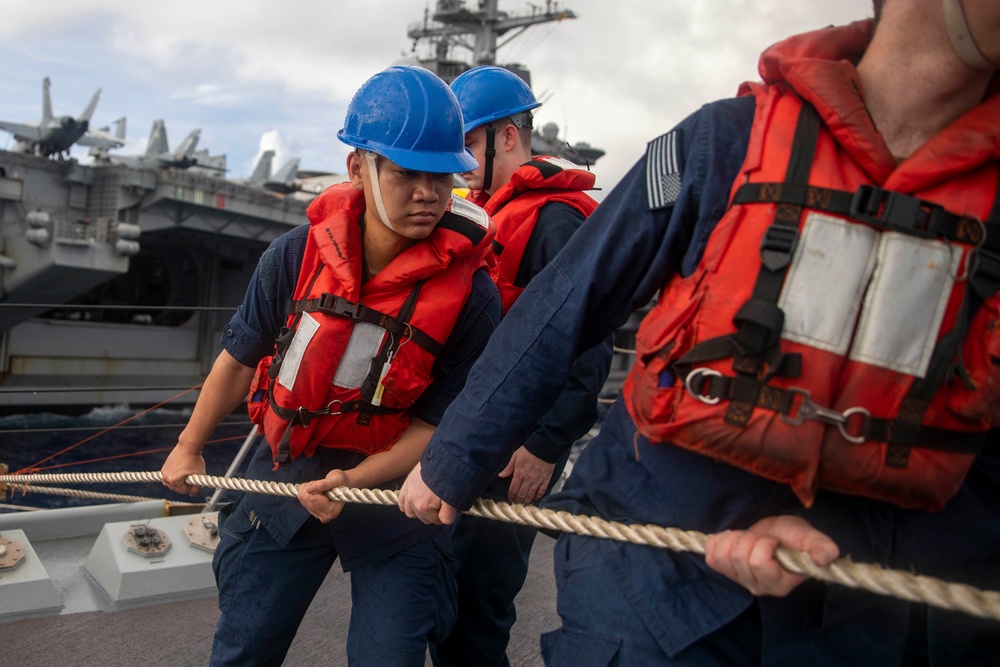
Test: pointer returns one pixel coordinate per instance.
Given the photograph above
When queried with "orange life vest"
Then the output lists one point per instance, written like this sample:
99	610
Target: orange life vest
354	356
865	358
514	210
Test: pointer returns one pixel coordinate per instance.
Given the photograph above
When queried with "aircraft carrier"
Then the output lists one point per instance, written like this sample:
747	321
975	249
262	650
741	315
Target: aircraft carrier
116	277
116	281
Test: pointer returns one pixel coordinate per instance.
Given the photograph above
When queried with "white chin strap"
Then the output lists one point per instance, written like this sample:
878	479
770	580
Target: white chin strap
961	37
376	190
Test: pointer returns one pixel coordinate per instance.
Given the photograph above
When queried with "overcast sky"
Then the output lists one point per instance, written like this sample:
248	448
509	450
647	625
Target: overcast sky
258	74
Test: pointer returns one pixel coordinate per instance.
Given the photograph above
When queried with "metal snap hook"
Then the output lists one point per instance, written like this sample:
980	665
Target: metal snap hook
809	410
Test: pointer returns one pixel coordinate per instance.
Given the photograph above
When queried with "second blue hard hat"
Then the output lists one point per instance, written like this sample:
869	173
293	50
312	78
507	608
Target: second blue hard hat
490	93
410	116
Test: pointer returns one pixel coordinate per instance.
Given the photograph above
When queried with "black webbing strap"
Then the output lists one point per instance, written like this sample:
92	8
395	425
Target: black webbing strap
338	306
982	282
462	225
759	321
303	416
715	387
545	168
884	210
781	237
384	356
491	151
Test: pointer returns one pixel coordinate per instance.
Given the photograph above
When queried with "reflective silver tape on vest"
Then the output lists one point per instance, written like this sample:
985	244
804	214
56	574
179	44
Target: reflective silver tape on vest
365	342
906	303
826	282
470	211
882	296
307	328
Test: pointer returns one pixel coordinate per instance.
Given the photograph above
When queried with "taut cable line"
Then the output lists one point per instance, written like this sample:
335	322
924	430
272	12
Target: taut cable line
118	425
864	576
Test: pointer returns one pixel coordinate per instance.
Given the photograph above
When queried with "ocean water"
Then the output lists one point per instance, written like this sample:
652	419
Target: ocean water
121	438
107	439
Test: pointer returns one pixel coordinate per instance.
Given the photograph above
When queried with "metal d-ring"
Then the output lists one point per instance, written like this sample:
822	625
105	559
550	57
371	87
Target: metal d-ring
329	407
698	372
842	426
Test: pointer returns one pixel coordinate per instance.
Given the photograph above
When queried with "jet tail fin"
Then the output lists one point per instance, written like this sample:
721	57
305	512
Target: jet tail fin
157	144
186	149
288	171
89	109
262	170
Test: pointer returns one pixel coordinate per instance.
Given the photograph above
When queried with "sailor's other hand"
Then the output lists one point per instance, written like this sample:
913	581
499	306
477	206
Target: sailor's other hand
179	464
529	476
313	497
417	501
747	556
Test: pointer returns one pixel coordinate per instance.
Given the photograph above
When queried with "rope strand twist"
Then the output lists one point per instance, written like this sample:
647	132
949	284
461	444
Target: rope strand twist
845	572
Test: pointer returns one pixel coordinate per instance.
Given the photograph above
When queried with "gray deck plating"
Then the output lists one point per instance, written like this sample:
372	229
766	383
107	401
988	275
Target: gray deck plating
158	628
179	634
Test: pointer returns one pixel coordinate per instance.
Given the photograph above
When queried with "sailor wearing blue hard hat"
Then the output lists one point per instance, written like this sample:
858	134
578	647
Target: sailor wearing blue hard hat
355	333
486	95
407	115
537	203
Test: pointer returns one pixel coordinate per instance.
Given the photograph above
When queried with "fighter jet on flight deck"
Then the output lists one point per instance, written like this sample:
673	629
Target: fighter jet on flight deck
56	135
159	155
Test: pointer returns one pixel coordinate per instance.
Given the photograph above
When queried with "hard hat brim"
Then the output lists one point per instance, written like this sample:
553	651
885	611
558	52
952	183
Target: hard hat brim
434	162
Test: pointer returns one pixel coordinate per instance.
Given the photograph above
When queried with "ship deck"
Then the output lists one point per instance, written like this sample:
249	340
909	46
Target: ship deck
179	634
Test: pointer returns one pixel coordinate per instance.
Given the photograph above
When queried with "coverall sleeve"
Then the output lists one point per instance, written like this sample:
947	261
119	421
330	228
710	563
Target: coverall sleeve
574	411
650	226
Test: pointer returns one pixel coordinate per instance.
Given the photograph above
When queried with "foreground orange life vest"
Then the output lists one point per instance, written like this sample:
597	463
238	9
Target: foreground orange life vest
355	356
514	209
865	356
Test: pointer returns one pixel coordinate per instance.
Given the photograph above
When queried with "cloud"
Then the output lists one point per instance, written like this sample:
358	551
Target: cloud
285	148
618	75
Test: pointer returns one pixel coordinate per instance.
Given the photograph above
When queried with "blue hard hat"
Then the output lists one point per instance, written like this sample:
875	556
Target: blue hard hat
490	93
409	115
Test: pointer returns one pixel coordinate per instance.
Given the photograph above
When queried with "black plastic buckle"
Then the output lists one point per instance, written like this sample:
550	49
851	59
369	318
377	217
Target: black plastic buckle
777	246
338	306
886	209
302	417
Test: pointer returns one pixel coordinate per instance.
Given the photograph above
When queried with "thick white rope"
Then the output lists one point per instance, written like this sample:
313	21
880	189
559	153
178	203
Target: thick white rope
865	576
97	495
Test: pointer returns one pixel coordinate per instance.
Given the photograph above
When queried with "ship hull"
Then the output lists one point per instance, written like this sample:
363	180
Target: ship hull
116	282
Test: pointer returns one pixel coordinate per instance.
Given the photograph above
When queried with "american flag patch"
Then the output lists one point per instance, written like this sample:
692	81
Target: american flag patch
663	171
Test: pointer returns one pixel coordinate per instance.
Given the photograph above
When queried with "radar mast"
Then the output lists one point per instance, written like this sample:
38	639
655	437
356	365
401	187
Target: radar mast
453	26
